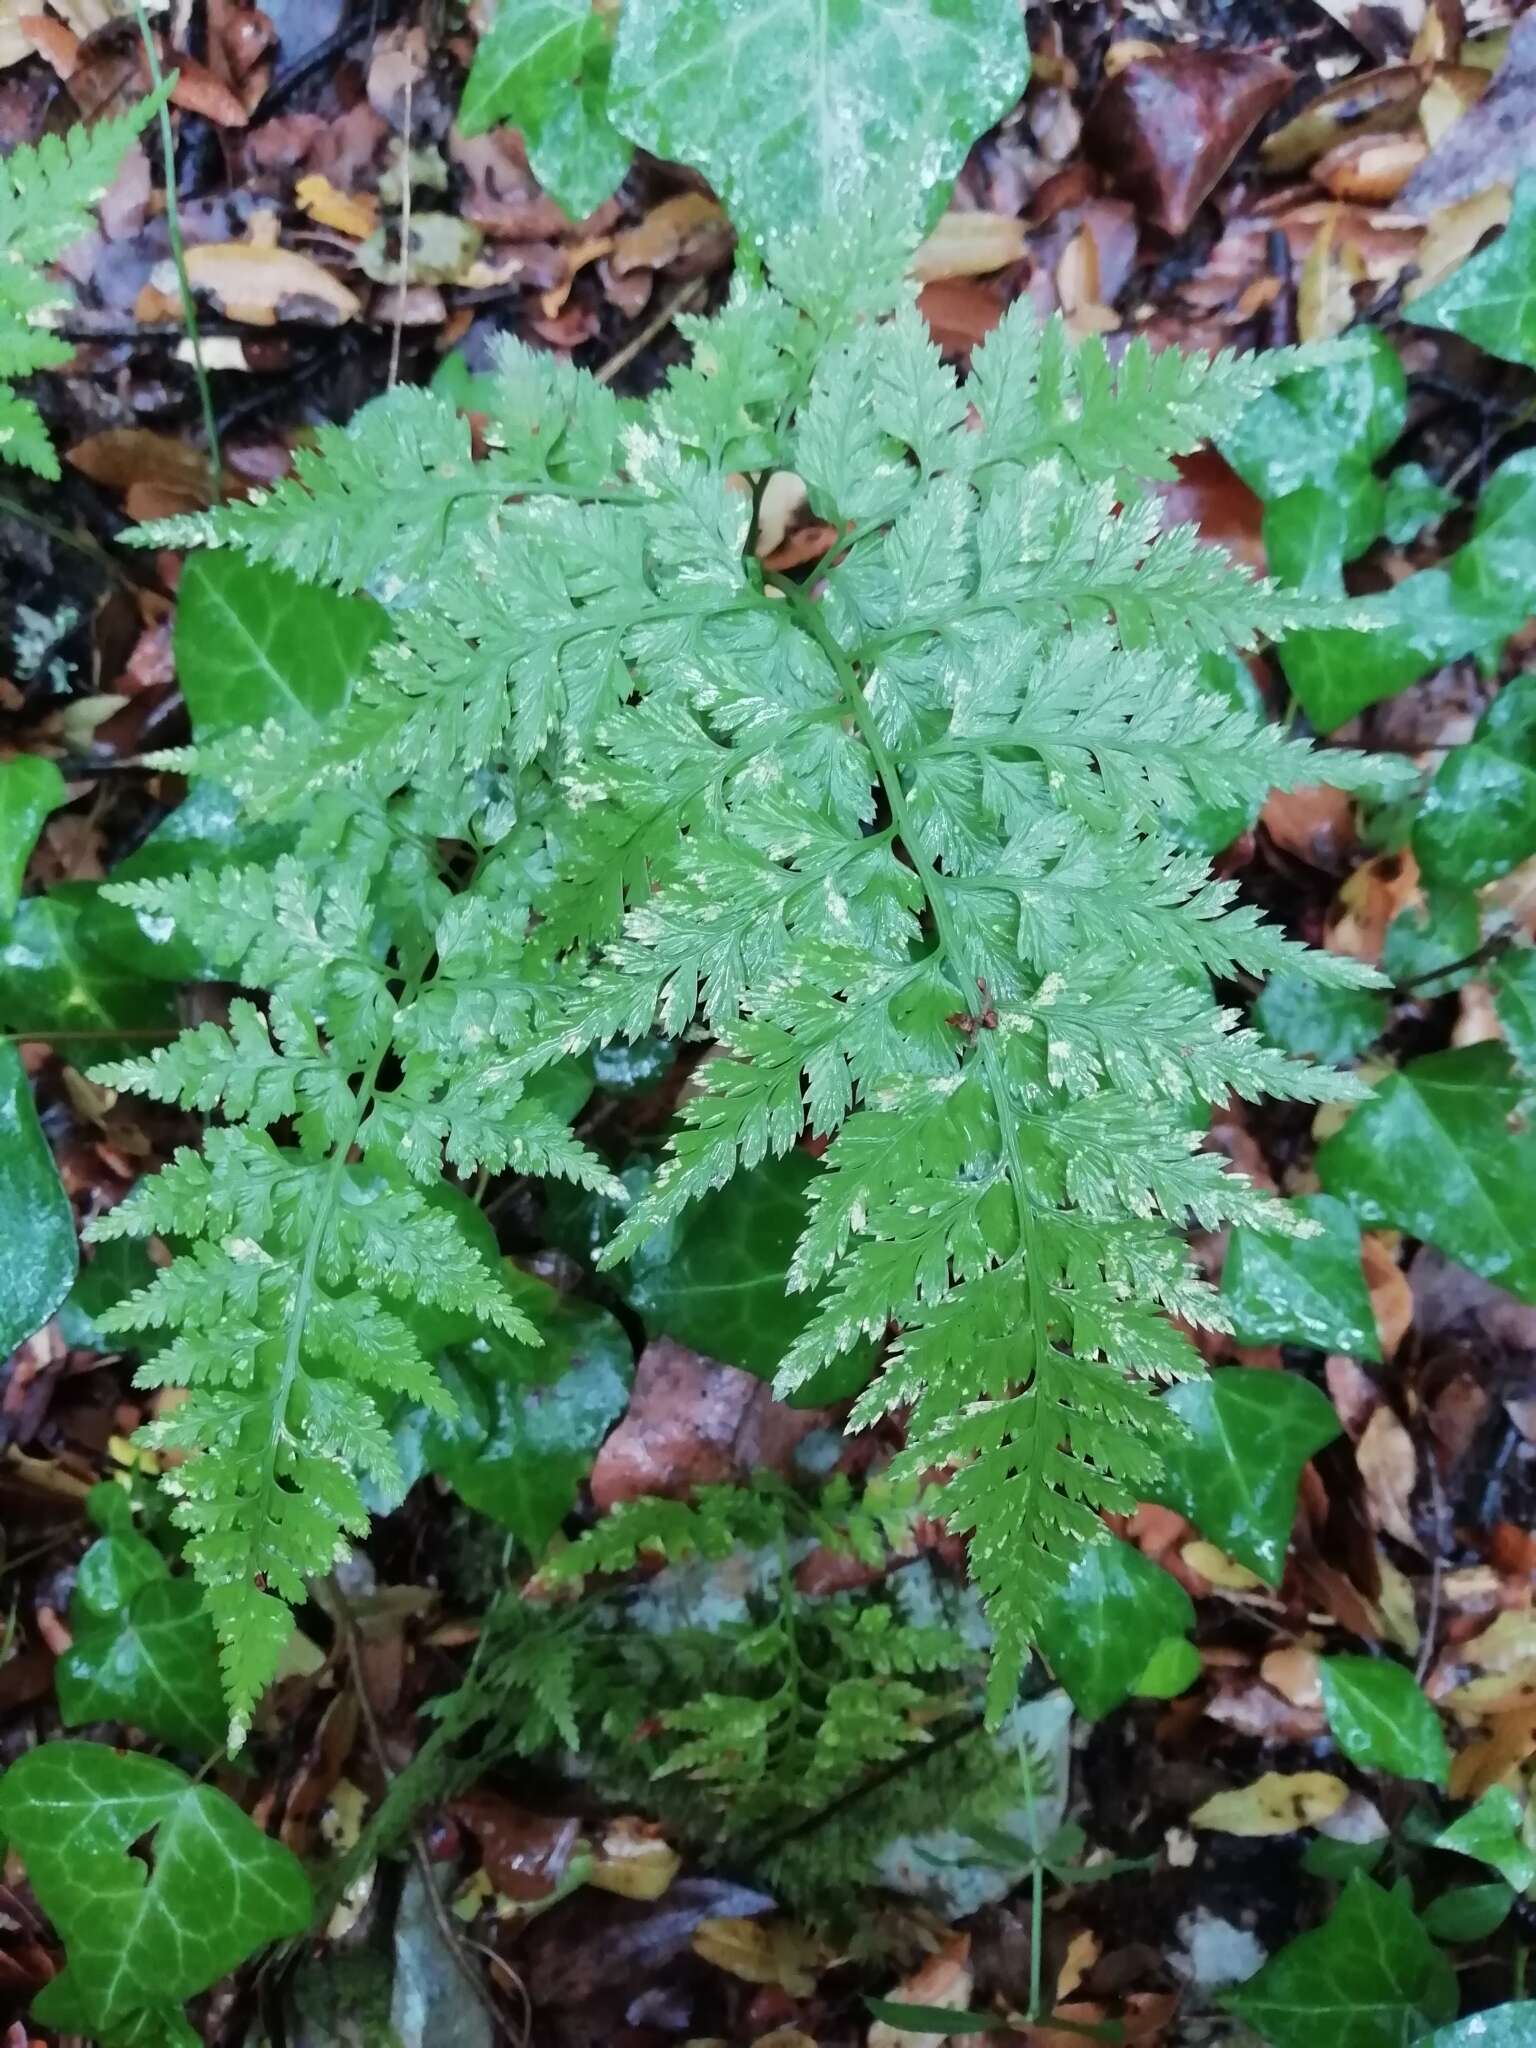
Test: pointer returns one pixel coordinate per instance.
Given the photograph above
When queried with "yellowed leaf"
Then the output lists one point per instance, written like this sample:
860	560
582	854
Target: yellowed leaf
679	226
633	1860
1388	1466
1219	1569
251	281
762	1952
1277	1804
969	245
1397	1607
1294	1673
1508	1640
1454	232
350	213
1083	1951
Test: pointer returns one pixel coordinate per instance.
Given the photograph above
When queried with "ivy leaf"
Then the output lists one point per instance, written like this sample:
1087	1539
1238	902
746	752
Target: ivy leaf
1327	1024
1469	1912
53	979
530	1421
1493	1832
1381	1719
139	1940
1445	929
1469	605
38	1250
1503	2026
1413	501
1514	999
1326	426
1302	1290
785	107
1369	1978
1491	299
716	1279
254	643
1113	1611
1443	1152
1235	1470
1478	816
543	66
30	788
144	1651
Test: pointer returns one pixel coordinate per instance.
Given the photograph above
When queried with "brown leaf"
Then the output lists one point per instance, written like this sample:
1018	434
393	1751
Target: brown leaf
253	280
1316	823
53	42
1494	142
1368	902
199	92
1166	127
1455	233
1212	496
690	227
1374	168
525	1854
1389	1468
944	1980
968	245
1511	1738
120	457
1376	103
959	313
693	1423
1391	1294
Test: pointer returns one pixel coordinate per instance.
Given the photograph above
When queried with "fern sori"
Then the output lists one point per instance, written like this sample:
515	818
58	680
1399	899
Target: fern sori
903	836
48	195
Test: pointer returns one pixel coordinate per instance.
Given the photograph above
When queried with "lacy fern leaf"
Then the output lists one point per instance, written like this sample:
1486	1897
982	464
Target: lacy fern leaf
48	195
902	836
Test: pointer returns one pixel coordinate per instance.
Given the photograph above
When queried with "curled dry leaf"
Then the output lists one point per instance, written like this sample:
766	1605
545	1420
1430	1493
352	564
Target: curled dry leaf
1079	289
1373	168
1379	103
1316	823
1455	233
1279	1803
690	226
1165	127
1487	1762
969	245
1386	1461
944	1980
1295	1674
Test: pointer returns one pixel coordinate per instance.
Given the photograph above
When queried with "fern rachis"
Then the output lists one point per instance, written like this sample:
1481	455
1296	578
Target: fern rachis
898	834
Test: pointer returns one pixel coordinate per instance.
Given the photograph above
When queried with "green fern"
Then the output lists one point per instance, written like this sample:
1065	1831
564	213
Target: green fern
48	196
901	836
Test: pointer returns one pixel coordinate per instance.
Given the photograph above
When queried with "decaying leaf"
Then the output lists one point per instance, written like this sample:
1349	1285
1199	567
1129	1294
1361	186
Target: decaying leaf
1276	1804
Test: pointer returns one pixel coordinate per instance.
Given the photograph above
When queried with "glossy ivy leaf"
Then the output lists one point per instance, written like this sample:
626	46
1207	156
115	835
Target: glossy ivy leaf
152	1663
1327	1024
30	788
253	644
1381	1719
1413	501
716	1279
529	1422
1478	816
112	1272
1491	298
786	107
1113	1612
1280	1289
1469	1912
140	1939
1311	533
1443	1152
1173	1667
1325	426
1235	1470
1493	1831
1337	1862
38	1250
1468	605
1370	1977
53	979
1502	2026
1513	980
543	66
206	830
1438	933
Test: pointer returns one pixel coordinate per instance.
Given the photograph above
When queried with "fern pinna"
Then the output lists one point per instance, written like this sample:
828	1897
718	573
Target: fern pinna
902	835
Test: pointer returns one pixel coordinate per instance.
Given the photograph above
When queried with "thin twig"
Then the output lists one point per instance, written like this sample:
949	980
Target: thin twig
89	546
405	241
1436	1571
1489	950
179	258
682	301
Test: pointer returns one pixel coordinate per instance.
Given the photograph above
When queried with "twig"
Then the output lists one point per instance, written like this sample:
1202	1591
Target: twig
179	257
1489	950
1436	1570
90	547
681	301
405	241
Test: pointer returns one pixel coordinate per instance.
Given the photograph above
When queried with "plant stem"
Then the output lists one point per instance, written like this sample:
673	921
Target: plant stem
179	258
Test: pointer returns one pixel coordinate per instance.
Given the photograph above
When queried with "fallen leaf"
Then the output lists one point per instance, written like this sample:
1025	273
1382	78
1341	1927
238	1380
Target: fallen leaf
1368	902
1218	1569
253	280
1083	1951
525	1854
1454	233
944	1980
1165	127
959	313
1316	823
1374	168
690	225
1077	286
1375	103
121	457
1277	1804
1493	142
632	1859
350	213
762	1952
1325	301
1397	1607
1511	1738
1295	1674
969	245
1387	1464
1390	1291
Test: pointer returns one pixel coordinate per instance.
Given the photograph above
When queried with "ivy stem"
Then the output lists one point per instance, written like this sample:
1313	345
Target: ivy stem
179	257
809	616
